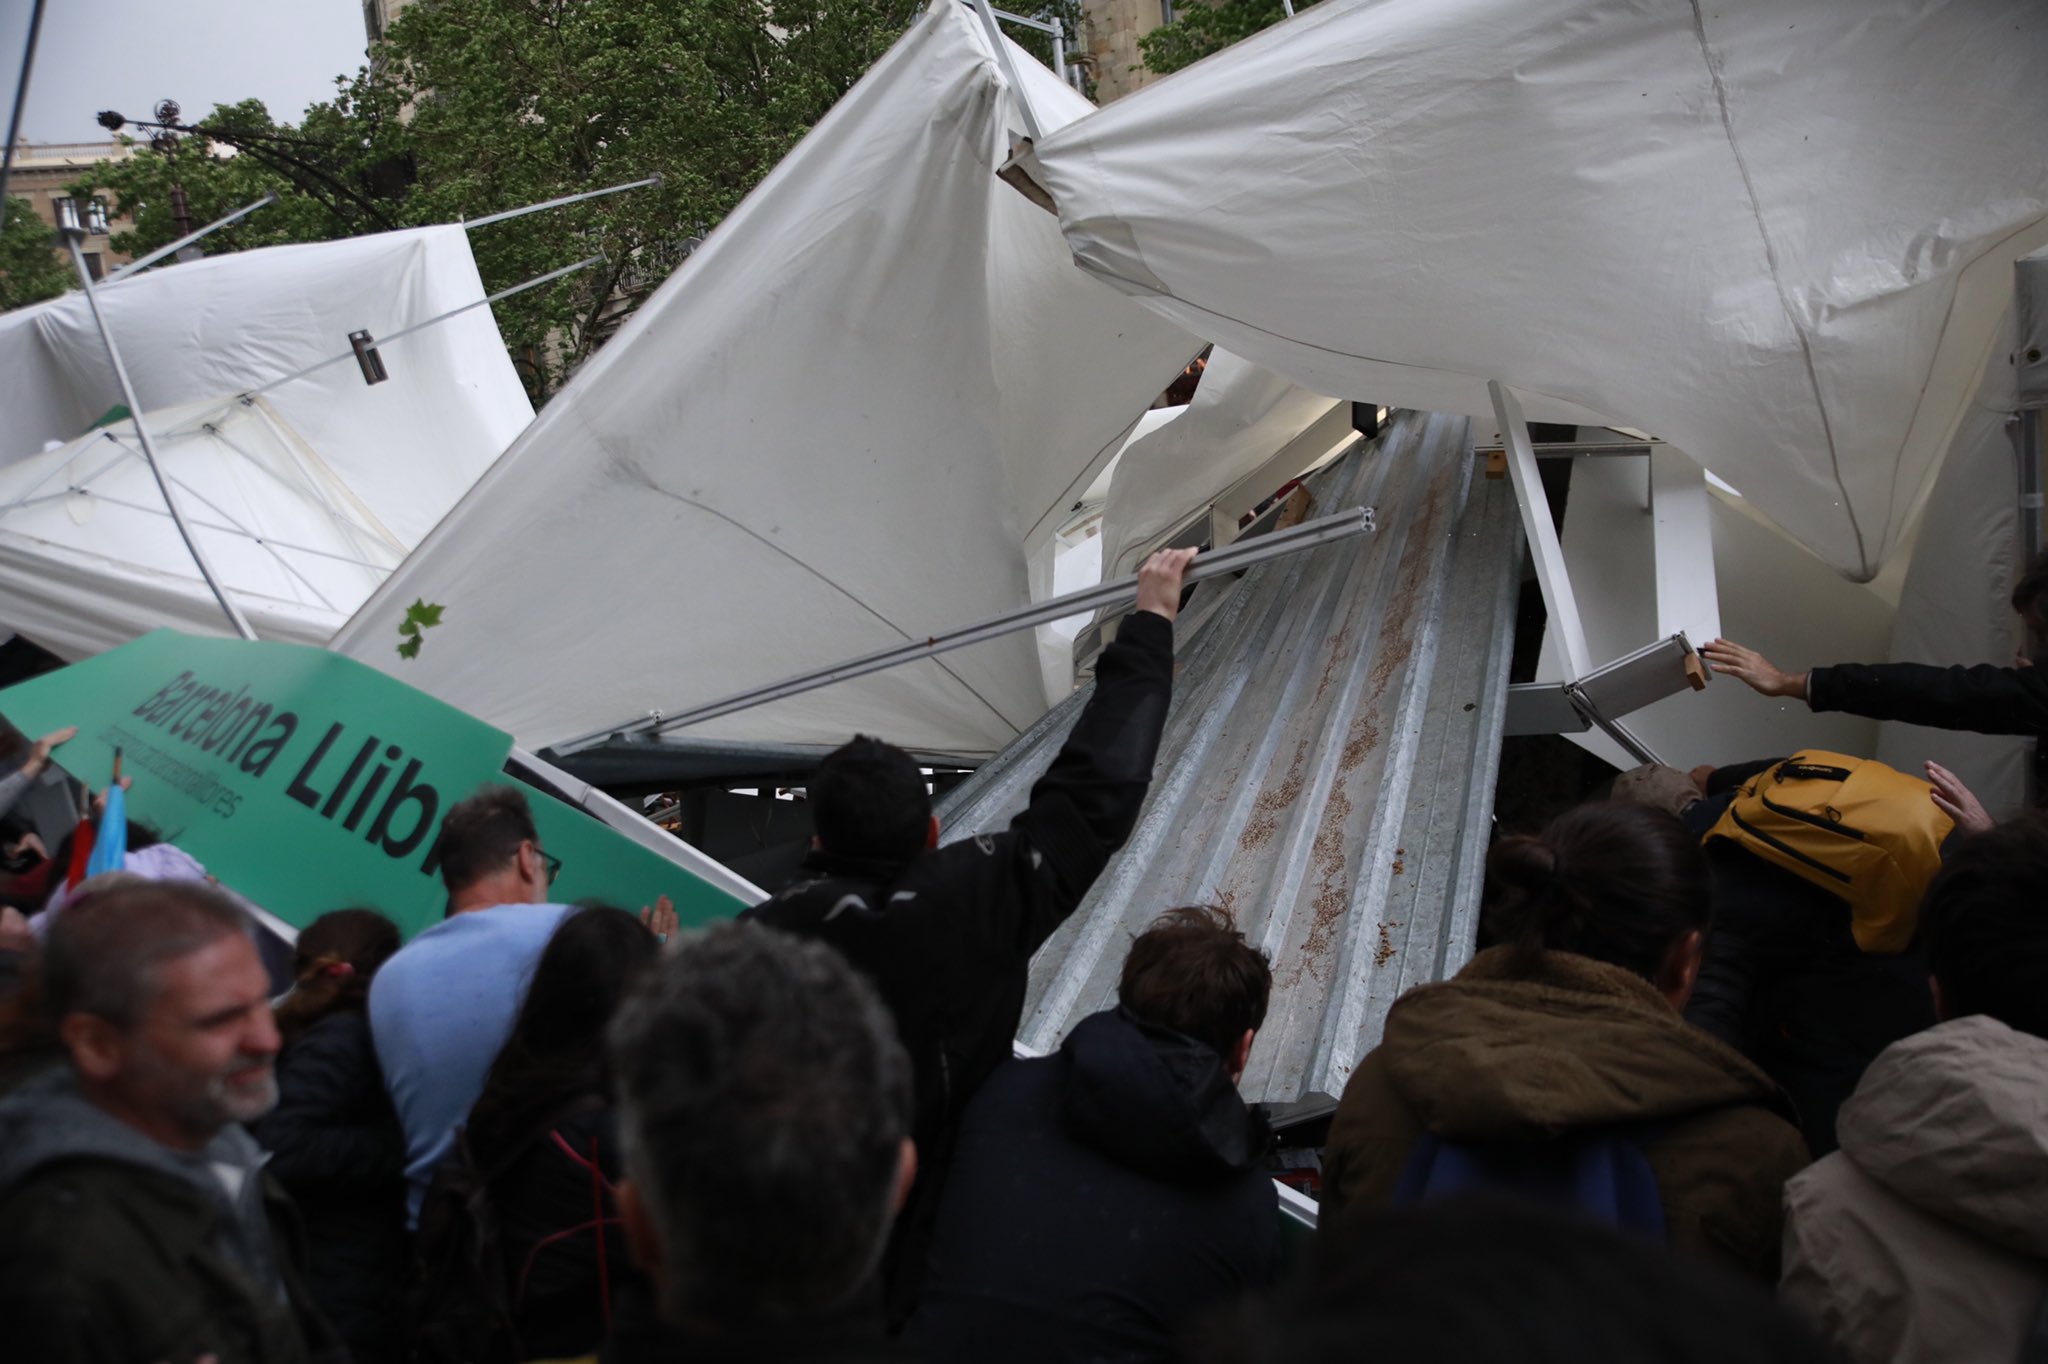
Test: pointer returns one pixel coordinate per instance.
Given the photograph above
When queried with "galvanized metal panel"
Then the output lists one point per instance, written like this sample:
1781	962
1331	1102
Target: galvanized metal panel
1327	768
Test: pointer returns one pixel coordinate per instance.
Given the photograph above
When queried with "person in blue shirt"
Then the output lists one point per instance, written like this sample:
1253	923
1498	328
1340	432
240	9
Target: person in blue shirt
441	1009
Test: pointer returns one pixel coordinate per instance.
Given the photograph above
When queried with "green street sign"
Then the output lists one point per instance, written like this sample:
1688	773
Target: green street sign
306	781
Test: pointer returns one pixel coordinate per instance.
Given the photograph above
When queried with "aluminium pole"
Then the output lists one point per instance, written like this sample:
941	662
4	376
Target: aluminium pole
1010	73
144	262
1325	530
402	333
72	234
510	213
28	63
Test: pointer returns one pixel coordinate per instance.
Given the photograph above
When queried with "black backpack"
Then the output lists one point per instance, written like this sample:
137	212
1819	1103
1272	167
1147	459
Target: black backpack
461	1310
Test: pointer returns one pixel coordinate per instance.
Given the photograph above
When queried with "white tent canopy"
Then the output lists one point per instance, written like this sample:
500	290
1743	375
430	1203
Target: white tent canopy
89	557
1776	233
214	328
837	428
1242	420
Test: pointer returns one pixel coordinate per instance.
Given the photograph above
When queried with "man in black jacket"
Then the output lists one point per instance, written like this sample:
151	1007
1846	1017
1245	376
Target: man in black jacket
947	933
1103	1197
136	1220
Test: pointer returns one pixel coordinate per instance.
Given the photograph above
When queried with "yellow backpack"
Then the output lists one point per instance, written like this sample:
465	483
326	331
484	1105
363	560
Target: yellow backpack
1863	831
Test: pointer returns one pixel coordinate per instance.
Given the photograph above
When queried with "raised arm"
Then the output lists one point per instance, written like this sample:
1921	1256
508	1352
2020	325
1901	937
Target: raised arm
1087	803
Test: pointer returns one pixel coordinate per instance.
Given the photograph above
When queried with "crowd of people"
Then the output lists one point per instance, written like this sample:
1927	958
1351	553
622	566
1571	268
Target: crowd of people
541	1131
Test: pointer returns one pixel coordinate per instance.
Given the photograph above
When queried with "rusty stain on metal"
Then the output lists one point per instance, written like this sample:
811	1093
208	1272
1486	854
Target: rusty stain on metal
1317	731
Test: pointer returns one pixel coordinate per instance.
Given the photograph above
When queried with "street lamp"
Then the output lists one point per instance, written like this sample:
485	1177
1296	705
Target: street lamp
165	141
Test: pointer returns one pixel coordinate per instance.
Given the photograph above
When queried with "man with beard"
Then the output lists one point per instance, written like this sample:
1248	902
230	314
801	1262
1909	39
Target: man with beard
136	1222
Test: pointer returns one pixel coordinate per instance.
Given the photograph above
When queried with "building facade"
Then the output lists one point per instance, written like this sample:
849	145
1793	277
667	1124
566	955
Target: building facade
41	172
1110	32
377	16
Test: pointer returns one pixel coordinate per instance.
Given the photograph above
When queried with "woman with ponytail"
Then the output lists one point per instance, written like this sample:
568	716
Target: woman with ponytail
1561	1050
334	1140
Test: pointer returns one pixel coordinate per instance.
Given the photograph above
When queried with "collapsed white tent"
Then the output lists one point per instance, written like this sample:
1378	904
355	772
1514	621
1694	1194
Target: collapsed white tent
837	428
1245	433
214	328
89	556
1776	233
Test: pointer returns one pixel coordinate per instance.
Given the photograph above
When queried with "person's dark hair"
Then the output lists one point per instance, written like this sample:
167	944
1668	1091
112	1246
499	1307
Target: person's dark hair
102	953
1617	883
480	835
1193	972
2030	593
764	1101
556	1053
1475	1278
333	963
868	799
1987	926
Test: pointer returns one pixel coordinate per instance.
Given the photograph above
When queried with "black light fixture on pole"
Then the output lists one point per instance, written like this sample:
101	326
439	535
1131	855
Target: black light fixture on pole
165	141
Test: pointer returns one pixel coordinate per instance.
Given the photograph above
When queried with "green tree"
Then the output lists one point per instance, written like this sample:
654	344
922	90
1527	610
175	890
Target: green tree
517	101
333	177
29	270
471	107
1199	29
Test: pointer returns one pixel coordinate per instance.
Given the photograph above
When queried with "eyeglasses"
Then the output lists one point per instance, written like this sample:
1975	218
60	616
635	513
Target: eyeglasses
550	862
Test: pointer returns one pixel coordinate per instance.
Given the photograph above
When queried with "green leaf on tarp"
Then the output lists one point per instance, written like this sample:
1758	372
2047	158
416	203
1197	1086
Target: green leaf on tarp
117	413
421	616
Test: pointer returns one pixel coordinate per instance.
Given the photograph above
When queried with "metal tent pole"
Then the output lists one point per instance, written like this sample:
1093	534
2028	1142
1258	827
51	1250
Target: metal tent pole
1325	530
350	353
509	213
1009	65
28	63
72	233
144	262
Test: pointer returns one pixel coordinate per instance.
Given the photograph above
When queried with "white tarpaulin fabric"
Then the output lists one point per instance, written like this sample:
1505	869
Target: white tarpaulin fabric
90	559
835	429
1241	417
1955	604
1776	233
407	447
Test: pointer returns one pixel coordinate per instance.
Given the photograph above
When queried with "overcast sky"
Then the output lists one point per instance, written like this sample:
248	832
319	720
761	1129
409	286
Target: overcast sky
128	54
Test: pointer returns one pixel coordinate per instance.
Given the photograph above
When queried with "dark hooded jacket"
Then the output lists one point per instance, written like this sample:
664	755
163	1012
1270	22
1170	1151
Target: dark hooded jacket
947	937
337	1148
1100	1199
115	1248
1502	1055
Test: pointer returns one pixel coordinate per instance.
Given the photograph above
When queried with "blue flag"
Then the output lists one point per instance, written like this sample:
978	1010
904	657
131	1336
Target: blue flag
110	845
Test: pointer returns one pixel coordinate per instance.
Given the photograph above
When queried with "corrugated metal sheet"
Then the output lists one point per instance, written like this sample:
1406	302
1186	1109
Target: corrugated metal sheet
1328	765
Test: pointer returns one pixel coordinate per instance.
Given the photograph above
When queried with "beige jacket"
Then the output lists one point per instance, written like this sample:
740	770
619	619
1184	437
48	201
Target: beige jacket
1497	1054
1926	1236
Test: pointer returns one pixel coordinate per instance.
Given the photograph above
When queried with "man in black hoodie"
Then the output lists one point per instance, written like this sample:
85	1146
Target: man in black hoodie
947	934
1105	1195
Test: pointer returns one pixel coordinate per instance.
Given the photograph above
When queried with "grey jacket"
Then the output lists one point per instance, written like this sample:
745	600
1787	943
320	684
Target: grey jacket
113	1246
1926	1236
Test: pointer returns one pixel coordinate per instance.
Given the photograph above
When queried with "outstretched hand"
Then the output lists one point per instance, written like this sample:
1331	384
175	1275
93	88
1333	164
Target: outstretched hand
1747	664
99	798
1159	581
660	918
39	751
1957	801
